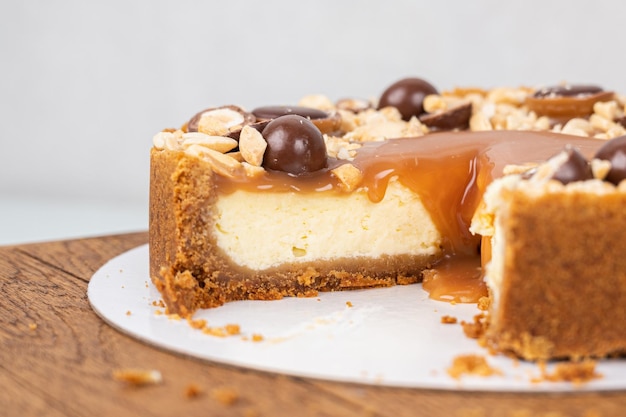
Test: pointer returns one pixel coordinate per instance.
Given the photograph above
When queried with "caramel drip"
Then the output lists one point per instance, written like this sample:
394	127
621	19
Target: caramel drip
449	171
456	279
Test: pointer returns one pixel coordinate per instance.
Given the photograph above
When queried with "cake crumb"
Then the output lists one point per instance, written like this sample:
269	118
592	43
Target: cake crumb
257	337
472	365
477	328
32	326
193	390
448	320
232	329
158	303
197	324
138	377
349	304
128	313
225	395
484	303
228	330
577	373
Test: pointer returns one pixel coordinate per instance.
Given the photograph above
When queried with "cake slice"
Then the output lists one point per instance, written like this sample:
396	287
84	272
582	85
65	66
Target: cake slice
556	270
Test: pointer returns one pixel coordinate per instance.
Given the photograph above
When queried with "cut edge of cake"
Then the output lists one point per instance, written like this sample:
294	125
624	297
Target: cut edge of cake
556	276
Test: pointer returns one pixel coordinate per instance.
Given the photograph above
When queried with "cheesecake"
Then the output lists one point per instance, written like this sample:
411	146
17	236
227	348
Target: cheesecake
336	195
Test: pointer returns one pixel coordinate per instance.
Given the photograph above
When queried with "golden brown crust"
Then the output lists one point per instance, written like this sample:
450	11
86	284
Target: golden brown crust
191	272
564	290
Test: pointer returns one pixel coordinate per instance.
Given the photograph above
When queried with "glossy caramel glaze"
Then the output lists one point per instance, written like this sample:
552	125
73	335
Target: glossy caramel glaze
448	170
456	279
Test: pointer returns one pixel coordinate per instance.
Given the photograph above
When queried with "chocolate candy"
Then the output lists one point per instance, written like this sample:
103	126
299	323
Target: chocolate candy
567	101
325	122
407	96
567	91
574	168
453	118
294	145
614	151
272	112
234	127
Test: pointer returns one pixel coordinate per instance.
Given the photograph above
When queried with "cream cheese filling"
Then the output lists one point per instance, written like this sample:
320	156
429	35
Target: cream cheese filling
260	230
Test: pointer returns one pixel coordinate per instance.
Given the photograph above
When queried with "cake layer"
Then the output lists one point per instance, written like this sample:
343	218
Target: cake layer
328	227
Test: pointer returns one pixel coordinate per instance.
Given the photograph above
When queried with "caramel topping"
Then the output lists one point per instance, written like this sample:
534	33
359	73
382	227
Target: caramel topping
458	281
448	170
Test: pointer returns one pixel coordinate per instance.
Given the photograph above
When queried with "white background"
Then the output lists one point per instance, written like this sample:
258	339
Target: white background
84	85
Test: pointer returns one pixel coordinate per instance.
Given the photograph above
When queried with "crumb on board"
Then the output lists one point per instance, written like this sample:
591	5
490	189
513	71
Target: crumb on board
193	390
128	312
575	372
158	303
471	364
137	377
484	303
32	326
222	331
475	329
257	337
349	303
219	331
448	319
225	395
174	317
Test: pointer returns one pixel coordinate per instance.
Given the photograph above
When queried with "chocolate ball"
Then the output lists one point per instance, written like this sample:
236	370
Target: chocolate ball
407	96
294	145
574	168
614	151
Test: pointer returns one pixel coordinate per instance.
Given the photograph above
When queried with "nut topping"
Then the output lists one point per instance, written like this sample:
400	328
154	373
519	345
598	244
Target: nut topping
217	143
354	105
408	108
221	163
349	176
252	146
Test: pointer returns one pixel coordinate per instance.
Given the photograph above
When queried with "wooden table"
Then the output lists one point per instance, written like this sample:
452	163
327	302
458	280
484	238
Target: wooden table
57	357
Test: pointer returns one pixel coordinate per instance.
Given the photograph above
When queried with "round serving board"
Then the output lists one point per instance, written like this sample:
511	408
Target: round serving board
387	336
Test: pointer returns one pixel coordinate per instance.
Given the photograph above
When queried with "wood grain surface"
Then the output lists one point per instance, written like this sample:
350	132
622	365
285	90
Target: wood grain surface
57	359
